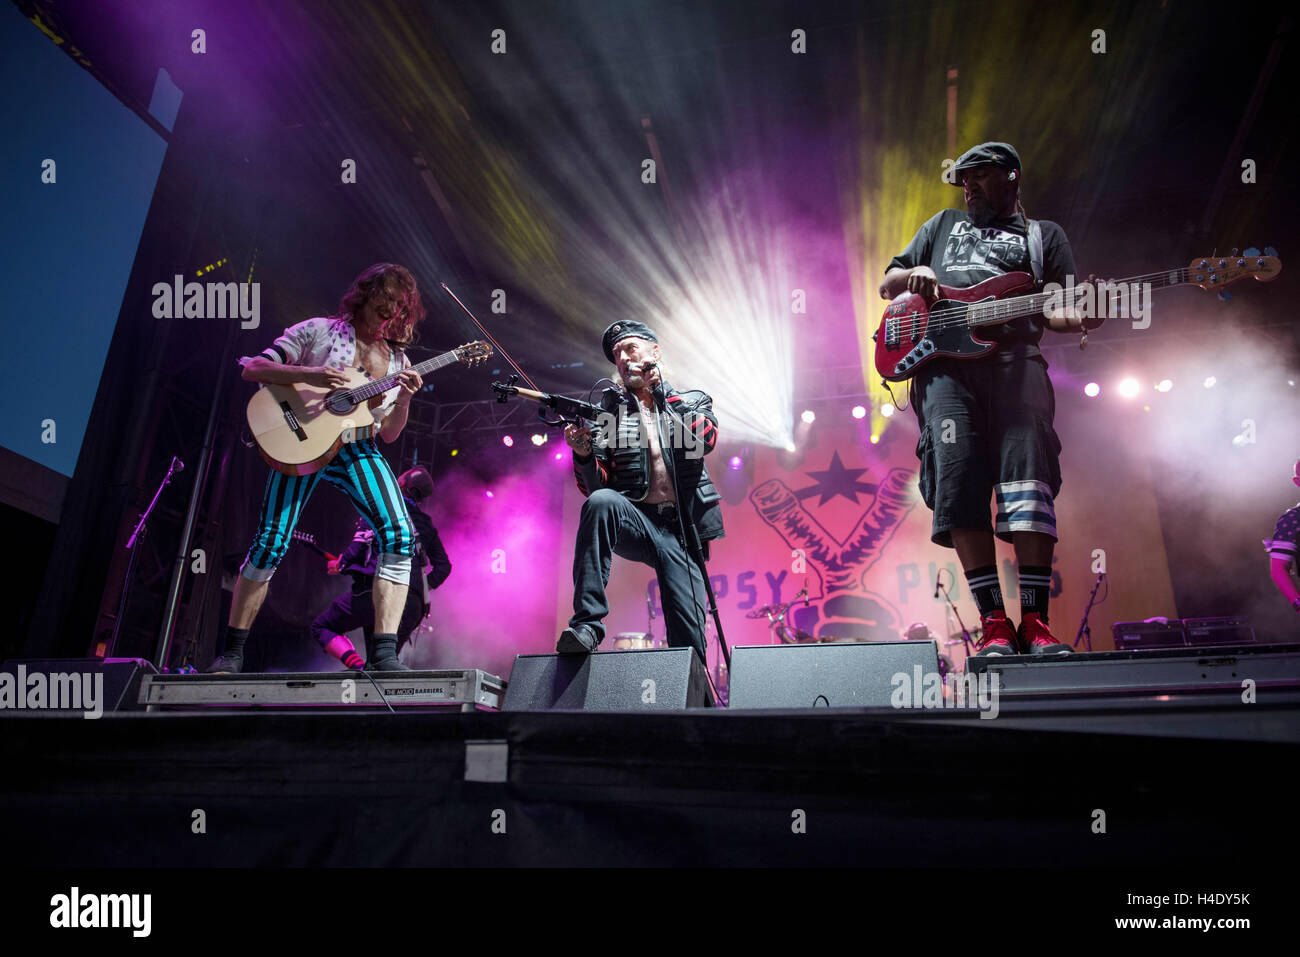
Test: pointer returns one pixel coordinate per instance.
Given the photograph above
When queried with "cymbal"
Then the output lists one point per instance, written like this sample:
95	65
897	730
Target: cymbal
767	610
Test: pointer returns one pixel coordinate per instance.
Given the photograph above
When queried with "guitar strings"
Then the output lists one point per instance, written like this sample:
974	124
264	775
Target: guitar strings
959	315
380	386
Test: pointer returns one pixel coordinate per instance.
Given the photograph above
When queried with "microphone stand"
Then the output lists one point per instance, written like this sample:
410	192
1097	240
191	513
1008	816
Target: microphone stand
690	533
967	642
141	529
1084	630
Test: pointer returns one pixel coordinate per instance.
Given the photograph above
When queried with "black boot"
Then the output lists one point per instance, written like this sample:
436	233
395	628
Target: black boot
232	659
227	664
381	654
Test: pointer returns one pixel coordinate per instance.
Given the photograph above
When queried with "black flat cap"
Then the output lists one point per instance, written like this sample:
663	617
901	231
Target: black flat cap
999	154
625	329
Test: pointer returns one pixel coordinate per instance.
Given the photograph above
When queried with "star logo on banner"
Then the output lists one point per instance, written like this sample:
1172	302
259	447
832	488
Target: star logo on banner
835	480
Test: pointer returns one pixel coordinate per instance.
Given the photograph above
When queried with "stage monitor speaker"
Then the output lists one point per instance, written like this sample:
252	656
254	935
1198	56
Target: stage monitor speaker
827	675
657	679
1156	633
62	686
1212	632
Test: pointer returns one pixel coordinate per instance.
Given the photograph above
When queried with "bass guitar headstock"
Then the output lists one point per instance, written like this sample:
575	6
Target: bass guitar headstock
474	352
1215	272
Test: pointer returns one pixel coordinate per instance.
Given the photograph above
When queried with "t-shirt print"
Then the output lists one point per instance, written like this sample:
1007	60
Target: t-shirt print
989	251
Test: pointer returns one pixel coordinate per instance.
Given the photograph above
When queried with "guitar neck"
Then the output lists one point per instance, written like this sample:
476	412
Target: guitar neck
380	386
1003	310
313	546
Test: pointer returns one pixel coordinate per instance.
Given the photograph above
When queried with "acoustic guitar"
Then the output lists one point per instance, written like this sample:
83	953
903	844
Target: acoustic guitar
299	428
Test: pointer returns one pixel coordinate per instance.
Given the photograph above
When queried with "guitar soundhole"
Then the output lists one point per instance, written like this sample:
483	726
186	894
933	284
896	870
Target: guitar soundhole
339	403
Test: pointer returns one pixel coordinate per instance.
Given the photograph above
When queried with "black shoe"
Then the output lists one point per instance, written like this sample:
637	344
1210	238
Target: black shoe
226	665
381	655
576	640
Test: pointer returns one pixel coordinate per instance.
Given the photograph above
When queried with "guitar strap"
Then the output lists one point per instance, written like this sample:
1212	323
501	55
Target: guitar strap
1036	250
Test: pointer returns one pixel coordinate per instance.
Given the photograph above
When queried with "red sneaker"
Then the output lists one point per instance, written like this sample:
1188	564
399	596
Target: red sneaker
999	637
1036	639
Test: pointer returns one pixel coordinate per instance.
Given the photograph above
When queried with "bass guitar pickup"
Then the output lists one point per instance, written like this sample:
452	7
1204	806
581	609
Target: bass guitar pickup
900	322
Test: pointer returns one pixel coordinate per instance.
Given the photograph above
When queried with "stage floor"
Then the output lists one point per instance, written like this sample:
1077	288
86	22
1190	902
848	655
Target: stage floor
1059	779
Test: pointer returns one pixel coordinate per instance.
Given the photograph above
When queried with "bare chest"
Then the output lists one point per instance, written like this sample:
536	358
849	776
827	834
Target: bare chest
374	357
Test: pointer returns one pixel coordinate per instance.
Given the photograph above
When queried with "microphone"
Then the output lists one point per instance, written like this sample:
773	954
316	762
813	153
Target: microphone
177	464
657	391
936	585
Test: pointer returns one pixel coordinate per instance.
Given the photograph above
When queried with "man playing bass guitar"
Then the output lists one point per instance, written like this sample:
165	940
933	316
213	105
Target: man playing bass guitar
986	423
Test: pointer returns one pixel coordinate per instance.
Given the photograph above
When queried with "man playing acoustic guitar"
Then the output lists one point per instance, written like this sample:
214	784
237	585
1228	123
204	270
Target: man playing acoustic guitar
986	424
376	318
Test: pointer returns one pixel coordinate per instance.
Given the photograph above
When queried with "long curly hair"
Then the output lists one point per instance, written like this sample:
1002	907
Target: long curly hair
386	279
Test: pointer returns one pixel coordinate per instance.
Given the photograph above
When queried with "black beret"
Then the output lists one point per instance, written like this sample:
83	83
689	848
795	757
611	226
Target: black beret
625	329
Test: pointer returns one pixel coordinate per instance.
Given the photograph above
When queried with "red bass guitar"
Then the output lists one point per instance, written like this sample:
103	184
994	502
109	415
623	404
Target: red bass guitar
912	333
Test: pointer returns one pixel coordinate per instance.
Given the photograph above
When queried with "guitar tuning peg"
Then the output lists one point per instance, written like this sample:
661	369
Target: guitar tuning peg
1252	251
1270	251
1234	251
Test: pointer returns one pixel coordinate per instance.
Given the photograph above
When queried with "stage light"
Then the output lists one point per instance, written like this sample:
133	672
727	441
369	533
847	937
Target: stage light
539	439
455	452
1128	388
1209	382
1092	390
735	463
859	411
875	439
790	447
809	416
559	456
1164	385
887	409
507	441
488	494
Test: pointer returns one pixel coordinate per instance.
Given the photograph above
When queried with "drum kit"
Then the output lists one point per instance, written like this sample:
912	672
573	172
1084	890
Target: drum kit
785	632
637	641
920	631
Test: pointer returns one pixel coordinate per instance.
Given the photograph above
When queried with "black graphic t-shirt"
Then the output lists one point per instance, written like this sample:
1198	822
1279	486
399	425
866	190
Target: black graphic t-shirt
963	254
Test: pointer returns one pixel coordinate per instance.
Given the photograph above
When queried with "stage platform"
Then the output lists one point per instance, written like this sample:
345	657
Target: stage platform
1175	778
425	690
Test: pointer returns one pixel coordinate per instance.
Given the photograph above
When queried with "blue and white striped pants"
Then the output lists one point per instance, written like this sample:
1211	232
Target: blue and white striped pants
363	473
